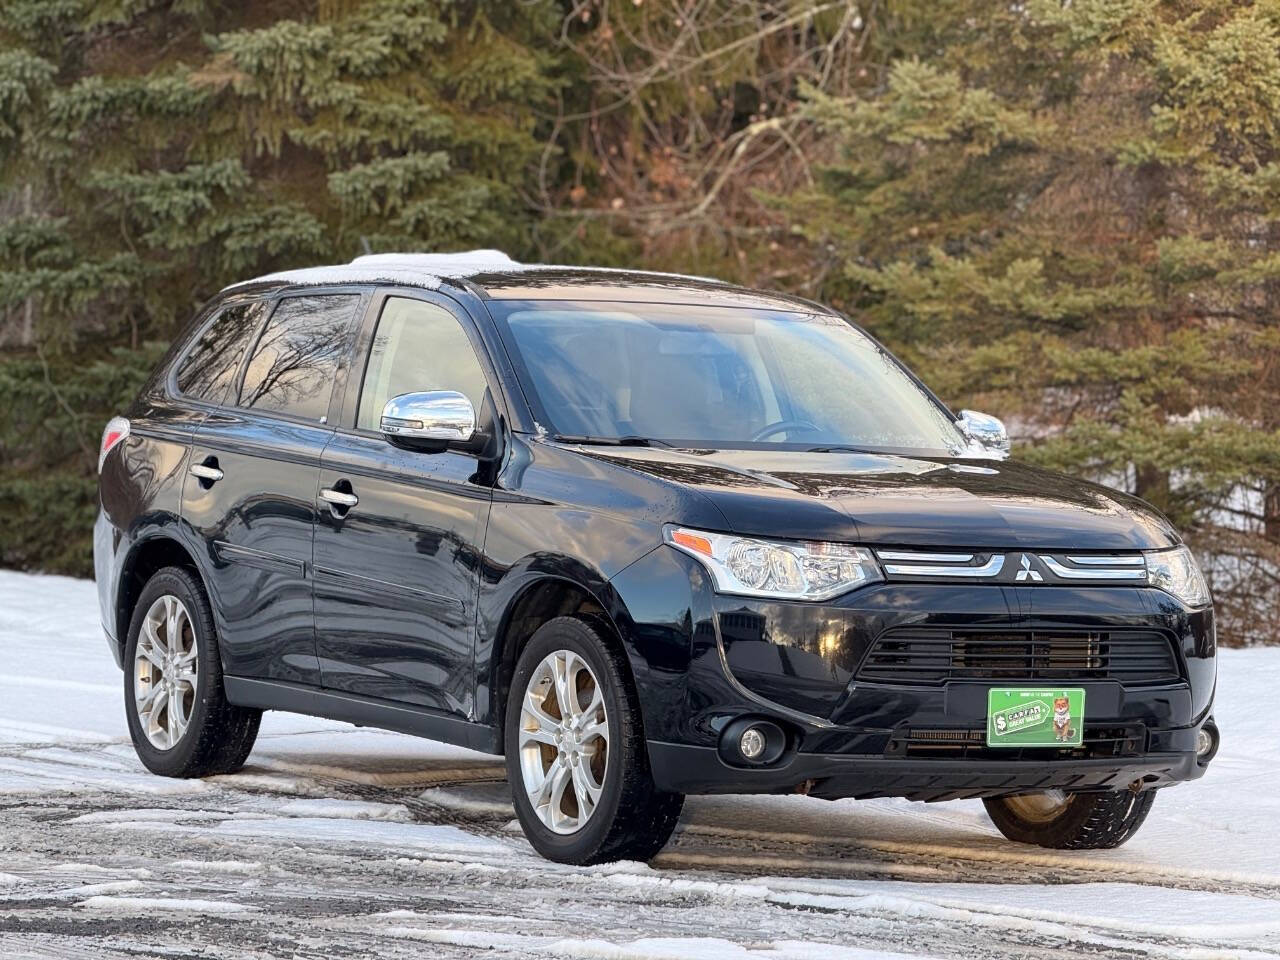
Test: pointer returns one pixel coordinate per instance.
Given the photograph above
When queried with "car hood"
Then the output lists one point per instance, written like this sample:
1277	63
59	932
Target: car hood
904	501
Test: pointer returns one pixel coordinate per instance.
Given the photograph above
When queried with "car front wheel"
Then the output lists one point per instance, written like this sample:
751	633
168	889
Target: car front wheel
576	756
1071	821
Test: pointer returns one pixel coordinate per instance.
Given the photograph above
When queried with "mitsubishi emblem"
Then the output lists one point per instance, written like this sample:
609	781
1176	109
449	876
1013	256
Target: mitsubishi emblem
1026	573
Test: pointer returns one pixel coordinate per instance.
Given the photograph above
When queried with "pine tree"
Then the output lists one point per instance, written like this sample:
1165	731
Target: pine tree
1067	214
152	151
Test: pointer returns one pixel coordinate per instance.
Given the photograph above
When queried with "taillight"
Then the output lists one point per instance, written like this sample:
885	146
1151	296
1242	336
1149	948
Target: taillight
117	429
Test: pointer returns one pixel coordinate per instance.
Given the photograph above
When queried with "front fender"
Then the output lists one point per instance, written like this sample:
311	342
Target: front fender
502	595
650	604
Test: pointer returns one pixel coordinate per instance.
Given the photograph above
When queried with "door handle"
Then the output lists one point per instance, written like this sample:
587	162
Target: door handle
338	498
208	472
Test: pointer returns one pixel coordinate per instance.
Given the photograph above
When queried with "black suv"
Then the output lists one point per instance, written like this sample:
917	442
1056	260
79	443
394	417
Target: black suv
646	535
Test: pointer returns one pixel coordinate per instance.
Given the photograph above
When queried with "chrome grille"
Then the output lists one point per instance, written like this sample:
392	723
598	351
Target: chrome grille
923	563
933	655
1029	567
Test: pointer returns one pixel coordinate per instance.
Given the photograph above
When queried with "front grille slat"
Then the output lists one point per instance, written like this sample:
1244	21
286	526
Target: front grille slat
969	743
934	655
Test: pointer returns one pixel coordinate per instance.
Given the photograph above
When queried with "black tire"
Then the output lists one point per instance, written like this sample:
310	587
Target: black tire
220	735
632	819
1089	821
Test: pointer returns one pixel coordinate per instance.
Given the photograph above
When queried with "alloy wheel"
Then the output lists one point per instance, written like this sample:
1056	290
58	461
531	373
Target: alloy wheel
165	669
564	741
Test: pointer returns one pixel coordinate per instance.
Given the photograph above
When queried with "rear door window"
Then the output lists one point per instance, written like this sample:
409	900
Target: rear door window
209	367
293	367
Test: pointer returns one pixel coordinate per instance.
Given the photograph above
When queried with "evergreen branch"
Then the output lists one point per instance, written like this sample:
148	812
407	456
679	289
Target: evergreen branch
72	416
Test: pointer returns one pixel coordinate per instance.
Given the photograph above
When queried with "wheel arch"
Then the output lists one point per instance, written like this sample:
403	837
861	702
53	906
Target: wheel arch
539	599
145	558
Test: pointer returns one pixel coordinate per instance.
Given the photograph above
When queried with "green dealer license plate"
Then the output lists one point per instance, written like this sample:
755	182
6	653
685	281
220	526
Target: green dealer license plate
1035	717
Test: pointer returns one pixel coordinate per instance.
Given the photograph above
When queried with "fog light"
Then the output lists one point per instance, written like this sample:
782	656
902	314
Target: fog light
753	743
1207	742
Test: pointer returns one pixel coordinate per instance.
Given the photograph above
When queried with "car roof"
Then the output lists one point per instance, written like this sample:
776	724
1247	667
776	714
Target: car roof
493	275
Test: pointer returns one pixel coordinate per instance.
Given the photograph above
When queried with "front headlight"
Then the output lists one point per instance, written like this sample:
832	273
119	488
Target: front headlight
1176	571
782	569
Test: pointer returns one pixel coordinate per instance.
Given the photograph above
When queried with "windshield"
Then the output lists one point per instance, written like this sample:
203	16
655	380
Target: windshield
716	376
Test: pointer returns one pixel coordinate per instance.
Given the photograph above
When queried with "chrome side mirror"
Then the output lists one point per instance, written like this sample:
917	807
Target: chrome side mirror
985	431
445	416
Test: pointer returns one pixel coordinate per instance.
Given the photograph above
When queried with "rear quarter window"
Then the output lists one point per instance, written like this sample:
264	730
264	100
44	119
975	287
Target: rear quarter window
295	362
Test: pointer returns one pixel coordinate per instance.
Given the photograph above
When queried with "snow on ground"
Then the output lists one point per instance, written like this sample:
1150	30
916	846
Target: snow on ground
336	841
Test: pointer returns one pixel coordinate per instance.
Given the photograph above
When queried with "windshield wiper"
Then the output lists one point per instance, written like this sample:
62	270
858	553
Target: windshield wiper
630	440
838	449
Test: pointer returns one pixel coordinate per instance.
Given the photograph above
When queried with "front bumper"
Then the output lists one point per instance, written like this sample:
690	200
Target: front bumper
690	769
703	661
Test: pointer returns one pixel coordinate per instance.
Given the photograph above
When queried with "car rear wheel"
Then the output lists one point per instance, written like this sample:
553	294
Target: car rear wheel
179	718
1071	821
576	755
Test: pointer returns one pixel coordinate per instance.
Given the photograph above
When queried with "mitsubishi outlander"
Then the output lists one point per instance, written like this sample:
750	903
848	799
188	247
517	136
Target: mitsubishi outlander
646	536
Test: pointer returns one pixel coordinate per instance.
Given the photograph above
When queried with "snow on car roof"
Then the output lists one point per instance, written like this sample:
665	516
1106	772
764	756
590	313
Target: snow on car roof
424	270
467	264
409	269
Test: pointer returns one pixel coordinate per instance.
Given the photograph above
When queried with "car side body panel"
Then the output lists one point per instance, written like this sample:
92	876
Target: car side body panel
255	525
395	576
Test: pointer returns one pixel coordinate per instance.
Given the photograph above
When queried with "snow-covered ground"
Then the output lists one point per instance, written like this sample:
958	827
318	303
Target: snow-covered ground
336	841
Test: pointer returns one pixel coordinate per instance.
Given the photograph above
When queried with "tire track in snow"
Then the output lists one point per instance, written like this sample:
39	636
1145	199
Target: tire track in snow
696	847
329	893
756	852
445	795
